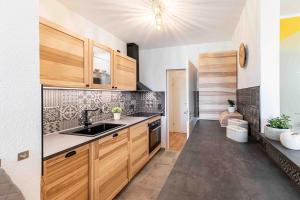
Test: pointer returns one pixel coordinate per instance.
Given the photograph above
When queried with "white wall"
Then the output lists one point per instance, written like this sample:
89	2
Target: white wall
155	62
20	108
270	54
60	14
248	32
289	8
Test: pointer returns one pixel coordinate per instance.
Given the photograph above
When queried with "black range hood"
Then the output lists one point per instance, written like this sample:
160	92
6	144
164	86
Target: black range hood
133	52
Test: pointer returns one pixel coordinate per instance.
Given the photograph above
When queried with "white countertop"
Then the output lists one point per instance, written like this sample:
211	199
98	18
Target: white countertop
56	143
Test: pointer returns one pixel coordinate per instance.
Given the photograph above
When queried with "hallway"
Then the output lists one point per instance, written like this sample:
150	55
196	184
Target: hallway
177	141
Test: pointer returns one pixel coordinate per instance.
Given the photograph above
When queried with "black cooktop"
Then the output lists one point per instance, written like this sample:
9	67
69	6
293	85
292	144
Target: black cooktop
143	114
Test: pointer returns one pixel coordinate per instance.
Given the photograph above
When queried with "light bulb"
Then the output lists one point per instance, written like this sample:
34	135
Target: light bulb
157	14
156	10
158	27
158	20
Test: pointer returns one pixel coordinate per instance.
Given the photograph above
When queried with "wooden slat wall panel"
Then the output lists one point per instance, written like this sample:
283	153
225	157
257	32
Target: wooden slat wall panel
217	82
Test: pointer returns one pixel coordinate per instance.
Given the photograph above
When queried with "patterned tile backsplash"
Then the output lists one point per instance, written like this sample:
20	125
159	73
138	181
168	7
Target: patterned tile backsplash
63	108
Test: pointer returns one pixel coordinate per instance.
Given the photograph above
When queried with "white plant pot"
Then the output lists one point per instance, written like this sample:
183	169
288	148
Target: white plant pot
231	109
117	116
290	140
274	133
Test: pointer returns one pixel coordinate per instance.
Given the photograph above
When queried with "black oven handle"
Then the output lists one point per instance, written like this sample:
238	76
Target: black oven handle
156	128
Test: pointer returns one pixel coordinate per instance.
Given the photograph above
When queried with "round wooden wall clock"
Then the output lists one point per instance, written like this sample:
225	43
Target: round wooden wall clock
242	55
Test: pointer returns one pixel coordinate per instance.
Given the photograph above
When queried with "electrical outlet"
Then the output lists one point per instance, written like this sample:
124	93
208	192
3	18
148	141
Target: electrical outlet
23	155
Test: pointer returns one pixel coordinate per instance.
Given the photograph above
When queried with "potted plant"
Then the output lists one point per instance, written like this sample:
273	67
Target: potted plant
117	112
276	126
231	107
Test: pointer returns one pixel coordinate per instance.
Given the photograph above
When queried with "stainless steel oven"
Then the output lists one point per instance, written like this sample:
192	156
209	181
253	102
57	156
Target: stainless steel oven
154	134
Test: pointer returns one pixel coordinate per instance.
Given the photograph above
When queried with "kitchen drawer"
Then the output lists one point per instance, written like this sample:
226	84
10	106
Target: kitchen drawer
138	130
111	165
110	143
67	176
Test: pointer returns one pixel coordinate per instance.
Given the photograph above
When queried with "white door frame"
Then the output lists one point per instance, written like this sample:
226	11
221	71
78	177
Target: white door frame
167	105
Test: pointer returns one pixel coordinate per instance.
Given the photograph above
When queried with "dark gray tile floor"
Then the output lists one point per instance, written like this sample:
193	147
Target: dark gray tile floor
213	167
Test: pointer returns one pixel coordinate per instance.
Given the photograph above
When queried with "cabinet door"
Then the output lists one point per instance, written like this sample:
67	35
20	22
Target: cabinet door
110	165
139	147
101	66
63	57
67	176
124	72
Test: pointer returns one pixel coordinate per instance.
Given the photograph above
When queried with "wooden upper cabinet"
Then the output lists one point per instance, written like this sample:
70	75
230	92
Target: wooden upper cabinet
63	57
101	66
70	60
124	72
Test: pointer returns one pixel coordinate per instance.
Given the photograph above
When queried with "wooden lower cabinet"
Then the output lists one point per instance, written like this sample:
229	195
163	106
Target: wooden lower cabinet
139	148
99	170
66	177
110	165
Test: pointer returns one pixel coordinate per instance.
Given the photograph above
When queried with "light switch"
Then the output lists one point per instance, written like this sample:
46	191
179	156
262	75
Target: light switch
23	155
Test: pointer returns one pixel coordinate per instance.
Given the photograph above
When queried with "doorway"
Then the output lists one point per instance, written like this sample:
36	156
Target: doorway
177	109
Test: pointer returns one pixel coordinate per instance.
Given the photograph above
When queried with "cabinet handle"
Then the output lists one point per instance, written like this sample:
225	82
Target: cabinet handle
87	85
115	134
116	87
70	154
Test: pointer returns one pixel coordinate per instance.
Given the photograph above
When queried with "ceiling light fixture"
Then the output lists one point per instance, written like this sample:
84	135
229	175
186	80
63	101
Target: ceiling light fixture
157	8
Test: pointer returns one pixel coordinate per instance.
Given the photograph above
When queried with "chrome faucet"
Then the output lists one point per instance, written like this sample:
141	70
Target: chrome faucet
87	121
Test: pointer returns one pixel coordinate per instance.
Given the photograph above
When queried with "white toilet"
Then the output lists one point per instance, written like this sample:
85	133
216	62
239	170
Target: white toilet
237	133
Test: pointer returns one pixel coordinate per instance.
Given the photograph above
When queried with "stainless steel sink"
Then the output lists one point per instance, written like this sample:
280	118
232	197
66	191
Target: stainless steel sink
95	130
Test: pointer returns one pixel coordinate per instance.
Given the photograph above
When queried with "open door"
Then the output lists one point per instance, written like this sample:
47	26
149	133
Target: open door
192	74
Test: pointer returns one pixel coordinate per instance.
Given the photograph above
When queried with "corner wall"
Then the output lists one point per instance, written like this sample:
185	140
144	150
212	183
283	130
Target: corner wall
20	99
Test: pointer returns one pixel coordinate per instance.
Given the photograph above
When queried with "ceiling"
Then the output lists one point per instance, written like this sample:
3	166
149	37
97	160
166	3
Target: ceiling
185	21
289	8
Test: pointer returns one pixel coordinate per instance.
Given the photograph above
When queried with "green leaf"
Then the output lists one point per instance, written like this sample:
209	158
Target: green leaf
281	122
116	109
